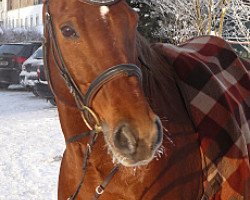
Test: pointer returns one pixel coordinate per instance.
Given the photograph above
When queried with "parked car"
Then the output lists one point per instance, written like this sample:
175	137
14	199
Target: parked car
42	87
28	75
12	57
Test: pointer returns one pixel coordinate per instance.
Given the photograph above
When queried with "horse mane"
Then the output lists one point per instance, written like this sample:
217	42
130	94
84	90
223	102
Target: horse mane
158	75
151	58
160	82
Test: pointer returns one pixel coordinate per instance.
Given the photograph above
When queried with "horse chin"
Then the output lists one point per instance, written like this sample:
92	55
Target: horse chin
118	158
131	163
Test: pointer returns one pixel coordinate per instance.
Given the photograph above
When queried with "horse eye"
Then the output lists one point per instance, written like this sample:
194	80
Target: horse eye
68	32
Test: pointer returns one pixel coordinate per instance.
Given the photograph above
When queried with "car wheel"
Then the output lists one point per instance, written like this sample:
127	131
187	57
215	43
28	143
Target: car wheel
4	85
35	92
52	101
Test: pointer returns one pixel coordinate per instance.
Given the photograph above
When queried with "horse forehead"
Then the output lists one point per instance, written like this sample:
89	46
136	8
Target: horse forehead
73	7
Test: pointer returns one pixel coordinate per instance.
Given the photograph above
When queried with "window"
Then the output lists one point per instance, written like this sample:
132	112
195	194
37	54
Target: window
34	49
31	21
21	23
17	22
38	54
11	48
37	20
9	23
26	22
37	2
9	5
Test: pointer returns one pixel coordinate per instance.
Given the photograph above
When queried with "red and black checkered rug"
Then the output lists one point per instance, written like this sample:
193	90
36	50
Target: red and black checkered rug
215	84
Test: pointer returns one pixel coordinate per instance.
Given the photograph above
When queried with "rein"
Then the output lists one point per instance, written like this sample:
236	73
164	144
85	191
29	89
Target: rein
83	102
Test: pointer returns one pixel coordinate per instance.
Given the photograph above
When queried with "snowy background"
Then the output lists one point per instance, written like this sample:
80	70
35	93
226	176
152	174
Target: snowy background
31	141
31	144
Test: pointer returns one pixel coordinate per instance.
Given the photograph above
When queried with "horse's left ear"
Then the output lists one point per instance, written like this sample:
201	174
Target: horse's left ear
100	2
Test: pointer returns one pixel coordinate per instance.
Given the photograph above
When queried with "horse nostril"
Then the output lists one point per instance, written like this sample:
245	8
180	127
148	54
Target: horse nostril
125	140
159	135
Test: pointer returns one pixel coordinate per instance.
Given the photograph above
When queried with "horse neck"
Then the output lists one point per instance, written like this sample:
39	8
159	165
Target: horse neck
164	96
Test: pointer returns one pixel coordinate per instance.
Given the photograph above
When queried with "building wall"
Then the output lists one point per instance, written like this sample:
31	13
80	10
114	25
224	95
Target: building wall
1	13
15	4
3	10
27	17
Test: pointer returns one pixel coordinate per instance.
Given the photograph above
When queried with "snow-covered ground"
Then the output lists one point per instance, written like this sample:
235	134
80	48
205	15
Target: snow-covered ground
31	142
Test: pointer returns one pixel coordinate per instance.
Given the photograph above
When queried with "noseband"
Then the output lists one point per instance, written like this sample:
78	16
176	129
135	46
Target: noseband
84	101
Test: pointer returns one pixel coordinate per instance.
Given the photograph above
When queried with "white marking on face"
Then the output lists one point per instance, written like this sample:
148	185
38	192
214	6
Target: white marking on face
104	10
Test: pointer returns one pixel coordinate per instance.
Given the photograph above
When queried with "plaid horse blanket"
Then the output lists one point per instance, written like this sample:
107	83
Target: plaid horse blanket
215	84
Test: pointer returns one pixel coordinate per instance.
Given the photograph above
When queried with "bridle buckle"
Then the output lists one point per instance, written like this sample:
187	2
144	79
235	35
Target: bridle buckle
99	190
88	112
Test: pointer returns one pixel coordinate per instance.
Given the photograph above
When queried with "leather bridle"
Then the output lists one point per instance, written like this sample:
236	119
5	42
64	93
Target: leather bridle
83	101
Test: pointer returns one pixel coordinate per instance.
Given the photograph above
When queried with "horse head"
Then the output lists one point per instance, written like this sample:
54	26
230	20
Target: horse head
92	37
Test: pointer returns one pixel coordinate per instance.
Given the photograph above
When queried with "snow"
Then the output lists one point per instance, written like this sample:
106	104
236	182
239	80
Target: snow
31	145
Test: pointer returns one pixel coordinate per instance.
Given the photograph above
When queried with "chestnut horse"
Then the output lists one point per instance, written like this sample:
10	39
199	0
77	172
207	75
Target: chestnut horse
106	78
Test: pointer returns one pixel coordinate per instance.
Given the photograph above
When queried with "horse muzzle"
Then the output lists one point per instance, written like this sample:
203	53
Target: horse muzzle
132	148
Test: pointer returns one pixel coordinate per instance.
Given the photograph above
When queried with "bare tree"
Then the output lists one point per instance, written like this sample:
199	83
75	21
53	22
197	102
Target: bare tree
19	35
183	19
